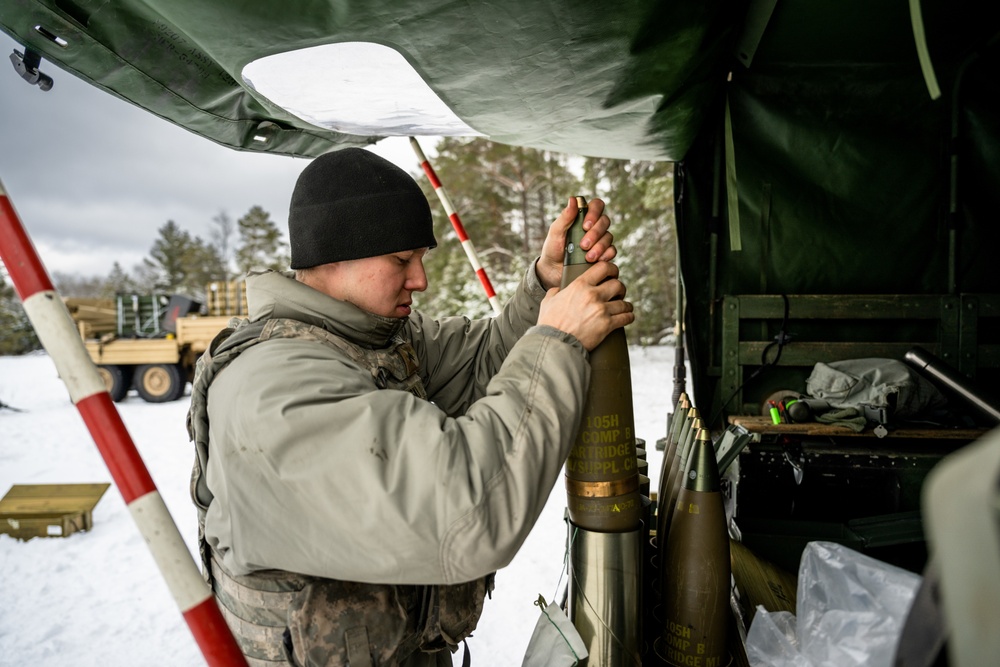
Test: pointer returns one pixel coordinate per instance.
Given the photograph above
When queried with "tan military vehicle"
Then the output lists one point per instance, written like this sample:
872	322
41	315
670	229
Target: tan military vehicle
150	343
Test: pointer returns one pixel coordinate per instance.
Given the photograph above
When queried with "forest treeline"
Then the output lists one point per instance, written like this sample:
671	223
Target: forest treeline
506	196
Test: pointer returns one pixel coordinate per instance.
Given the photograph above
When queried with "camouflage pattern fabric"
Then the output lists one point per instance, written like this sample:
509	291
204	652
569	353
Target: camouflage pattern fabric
389	624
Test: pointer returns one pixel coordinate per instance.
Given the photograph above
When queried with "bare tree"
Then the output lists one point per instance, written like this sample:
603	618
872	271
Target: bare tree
222	231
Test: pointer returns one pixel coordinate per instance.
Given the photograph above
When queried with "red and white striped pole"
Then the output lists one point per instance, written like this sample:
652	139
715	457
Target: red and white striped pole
59	336
456	222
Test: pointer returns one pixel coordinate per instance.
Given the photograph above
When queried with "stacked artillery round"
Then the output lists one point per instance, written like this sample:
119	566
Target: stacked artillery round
686	550
692	563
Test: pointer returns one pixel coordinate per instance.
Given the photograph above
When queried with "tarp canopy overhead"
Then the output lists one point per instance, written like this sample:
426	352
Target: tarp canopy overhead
823	146
578	77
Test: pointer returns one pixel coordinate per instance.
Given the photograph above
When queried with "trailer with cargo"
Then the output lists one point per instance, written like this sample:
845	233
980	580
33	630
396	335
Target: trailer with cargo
151	342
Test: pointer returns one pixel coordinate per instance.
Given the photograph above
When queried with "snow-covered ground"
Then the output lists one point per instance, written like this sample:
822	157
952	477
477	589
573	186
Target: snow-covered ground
97	599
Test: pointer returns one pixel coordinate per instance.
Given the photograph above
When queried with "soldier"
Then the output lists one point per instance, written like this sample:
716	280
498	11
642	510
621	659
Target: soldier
362	470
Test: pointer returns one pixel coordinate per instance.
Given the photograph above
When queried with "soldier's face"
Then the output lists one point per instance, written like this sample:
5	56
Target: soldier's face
383	285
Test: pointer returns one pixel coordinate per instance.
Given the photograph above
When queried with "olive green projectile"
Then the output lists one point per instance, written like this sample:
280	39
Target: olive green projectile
602	472
680	410
695	569
674	476
677	433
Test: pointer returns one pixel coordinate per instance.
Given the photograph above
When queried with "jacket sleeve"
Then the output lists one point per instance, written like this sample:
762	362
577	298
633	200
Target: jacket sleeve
317	472
459	356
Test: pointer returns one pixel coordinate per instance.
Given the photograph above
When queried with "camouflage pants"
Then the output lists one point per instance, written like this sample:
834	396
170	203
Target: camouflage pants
335	624
283	618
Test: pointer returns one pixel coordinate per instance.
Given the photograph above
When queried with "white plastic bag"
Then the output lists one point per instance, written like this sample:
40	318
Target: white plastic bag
771	641
555	641
850	611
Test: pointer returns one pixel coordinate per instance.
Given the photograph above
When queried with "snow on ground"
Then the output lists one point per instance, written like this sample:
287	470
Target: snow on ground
96	599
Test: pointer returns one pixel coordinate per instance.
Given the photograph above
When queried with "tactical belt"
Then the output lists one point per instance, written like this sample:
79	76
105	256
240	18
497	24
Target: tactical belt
255	608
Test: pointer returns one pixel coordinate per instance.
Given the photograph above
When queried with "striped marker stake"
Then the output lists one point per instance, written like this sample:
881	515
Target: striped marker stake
456	222
59	336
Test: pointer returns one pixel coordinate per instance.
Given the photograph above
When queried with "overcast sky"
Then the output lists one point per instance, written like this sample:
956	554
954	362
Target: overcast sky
93	178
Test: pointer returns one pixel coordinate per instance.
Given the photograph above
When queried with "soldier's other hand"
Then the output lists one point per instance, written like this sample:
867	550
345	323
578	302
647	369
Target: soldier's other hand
597	242
590	307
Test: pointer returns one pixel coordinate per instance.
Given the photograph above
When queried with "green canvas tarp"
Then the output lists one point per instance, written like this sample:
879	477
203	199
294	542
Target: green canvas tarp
822	147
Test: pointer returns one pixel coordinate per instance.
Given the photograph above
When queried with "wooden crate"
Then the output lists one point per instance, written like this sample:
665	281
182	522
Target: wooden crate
49	510
132	351
94	317
962	329
197	332
226	298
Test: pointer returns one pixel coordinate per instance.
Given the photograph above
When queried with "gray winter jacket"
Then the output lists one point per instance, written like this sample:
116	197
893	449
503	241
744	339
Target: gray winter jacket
316	471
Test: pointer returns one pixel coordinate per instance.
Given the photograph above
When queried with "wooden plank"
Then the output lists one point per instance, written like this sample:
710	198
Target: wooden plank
764	425
761	582
964	336
197	333
192	330
802	353
51	498
49	510
62	525
841	306
128	351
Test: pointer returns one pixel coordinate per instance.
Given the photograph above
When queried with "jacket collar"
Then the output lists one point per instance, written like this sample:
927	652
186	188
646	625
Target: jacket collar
273	294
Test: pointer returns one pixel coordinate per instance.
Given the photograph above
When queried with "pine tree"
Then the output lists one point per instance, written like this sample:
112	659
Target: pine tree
77	285
145	277
260	245
179	264
168	258
118	281
222	231
506	198
640	202
16	333
205	265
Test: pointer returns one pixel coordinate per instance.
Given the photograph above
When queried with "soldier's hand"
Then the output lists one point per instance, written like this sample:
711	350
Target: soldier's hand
590	307
597	241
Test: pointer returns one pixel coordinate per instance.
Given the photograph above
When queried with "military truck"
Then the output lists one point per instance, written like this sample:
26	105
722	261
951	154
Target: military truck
151	342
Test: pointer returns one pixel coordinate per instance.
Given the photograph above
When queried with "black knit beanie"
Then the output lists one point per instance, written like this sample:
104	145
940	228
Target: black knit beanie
351	204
